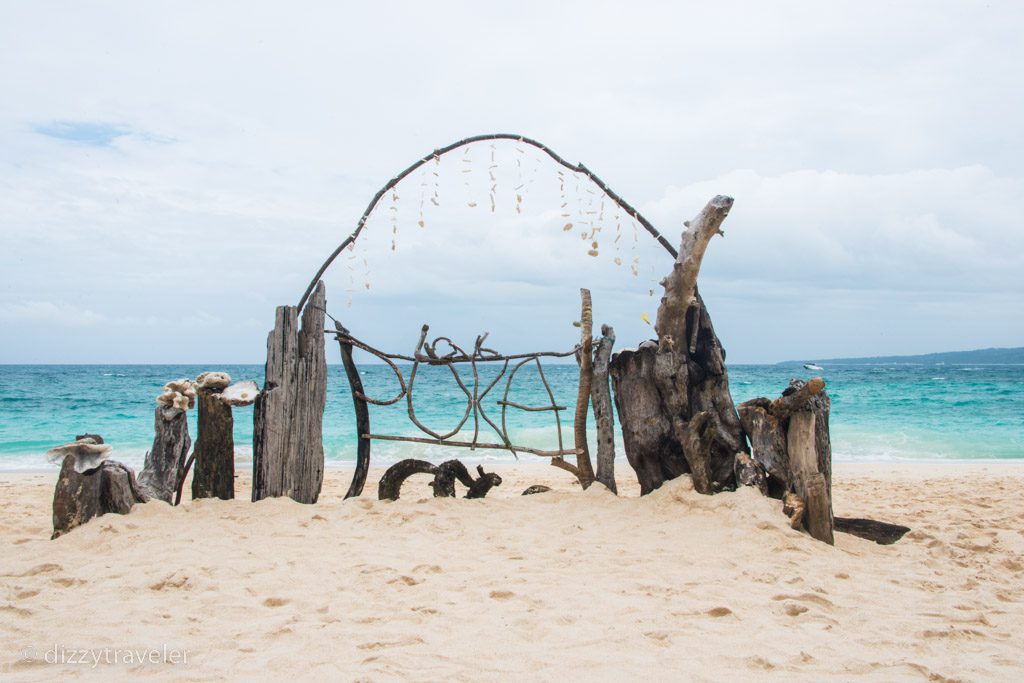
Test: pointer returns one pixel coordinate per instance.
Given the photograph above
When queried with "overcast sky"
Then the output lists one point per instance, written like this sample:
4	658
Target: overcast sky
170	172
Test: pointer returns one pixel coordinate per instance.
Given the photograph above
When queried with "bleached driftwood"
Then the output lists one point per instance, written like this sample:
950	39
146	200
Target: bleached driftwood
672	395
583	469
288	453
790	443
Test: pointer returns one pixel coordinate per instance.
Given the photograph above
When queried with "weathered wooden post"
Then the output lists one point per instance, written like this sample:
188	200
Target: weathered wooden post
672	395
288	452
604	416
213	475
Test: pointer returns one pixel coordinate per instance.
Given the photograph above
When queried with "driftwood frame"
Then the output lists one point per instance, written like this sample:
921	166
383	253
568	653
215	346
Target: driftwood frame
583	469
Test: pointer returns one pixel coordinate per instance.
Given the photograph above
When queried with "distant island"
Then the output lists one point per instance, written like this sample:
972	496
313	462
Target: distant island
981	356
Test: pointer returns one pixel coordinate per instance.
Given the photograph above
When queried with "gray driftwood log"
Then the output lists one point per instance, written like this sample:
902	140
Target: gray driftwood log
288	453
213	475
78	497
165	462
672	394
604	415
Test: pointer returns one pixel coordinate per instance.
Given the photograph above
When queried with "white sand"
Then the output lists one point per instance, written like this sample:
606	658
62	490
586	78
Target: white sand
563	586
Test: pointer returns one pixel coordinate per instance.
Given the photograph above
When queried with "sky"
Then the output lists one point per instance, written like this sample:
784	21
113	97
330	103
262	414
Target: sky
172	172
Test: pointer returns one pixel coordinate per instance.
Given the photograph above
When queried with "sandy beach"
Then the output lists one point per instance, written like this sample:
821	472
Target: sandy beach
566	585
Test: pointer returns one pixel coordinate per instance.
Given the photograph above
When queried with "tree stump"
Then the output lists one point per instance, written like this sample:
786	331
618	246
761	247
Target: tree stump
288	452
165	461
78	497
790	444
672	395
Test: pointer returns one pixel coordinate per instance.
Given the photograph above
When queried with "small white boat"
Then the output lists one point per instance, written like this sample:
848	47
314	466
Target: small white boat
812	366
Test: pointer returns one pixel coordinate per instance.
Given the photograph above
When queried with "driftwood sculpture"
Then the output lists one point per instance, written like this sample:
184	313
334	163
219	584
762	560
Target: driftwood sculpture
443	484
672	394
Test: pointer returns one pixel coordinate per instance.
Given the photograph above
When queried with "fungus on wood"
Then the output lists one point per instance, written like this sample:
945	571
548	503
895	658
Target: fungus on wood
672	394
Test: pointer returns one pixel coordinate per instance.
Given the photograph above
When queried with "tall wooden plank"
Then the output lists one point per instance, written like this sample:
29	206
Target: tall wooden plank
288	456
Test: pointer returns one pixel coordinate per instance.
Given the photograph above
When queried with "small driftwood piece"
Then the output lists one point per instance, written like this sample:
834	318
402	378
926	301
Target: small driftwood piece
484	483
604	415
288	452
672	395
881	533
164	468
78	497
443	484
214	473
808	482
536	488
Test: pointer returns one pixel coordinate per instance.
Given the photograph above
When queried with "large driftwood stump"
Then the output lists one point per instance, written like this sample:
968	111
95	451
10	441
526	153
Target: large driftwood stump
214	473
165	461
672	395
78	497
288	452
791	452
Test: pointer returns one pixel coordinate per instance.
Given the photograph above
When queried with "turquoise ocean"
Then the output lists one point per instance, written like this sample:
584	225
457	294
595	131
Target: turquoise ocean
885	412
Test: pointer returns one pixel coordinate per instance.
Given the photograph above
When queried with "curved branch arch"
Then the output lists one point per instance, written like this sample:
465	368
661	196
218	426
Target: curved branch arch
437	153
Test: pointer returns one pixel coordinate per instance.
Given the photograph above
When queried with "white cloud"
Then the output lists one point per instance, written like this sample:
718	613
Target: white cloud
52	316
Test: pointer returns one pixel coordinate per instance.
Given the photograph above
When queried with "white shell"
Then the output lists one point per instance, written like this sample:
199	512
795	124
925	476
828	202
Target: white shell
88	455
213	380
240	393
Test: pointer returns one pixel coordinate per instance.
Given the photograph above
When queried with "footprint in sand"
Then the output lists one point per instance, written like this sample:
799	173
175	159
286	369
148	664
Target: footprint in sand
45	568
407	580
502	595
275	602
382	644
719	612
